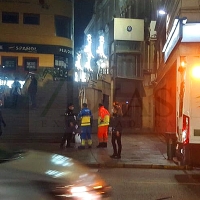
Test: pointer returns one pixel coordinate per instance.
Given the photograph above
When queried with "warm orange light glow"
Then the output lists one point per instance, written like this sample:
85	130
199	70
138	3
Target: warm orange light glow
196	72
183	64
183	61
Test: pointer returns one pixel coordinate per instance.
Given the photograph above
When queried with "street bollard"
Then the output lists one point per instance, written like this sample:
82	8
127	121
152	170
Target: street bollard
171	145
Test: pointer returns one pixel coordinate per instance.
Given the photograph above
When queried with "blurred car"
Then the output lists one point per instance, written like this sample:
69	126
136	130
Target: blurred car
40	175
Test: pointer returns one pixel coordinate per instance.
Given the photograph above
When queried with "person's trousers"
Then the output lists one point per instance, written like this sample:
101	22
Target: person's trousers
86	135
117	148
66	137
33	99
102	134
15	100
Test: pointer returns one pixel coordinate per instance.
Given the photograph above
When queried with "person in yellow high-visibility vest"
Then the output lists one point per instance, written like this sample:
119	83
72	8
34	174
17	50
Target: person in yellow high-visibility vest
86	122
103	123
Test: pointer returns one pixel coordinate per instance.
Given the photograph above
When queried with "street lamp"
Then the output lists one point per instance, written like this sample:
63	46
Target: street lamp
196	72
162	12
183	63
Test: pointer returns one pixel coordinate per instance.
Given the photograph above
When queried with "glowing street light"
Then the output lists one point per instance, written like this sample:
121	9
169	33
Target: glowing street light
196	72
162	12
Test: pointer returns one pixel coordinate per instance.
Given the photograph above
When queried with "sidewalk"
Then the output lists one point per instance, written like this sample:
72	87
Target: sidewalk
139	150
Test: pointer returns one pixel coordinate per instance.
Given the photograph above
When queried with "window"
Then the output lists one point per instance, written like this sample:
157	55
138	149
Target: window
128	66
30	64
61	61
10	17
9	63
33	19
63	26
60	66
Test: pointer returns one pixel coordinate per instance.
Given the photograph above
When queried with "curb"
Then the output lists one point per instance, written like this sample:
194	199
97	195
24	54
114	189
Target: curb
139	166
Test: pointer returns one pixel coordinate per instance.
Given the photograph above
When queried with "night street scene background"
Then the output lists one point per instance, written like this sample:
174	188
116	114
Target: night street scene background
139	56
83	10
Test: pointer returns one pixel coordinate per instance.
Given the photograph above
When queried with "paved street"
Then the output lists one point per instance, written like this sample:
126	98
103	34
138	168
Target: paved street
140	150
152	184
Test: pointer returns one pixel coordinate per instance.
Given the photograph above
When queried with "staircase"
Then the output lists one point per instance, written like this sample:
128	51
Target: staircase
43	124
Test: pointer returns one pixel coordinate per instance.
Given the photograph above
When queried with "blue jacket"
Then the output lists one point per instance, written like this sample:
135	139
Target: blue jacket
86	117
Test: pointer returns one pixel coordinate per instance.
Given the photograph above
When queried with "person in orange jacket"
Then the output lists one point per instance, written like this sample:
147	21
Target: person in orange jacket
103	123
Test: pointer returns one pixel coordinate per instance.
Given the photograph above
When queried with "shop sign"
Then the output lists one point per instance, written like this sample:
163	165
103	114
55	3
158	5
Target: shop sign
191	32
172	40
128	29
32	48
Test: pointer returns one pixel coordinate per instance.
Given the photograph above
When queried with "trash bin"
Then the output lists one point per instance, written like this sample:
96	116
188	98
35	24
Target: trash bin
171	145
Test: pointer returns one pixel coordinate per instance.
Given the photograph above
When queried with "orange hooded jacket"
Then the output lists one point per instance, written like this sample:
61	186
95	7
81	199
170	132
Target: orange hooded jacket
103	117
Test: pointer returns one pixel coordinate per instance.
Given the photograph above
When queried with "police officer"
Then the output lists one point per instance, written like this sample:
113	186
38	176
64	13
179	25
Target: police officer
70	123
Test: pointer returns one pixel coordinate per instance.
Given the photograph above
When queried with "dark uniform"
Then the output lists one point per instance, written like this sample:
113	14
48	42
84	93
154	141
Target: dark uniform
70	123
1	122
32	90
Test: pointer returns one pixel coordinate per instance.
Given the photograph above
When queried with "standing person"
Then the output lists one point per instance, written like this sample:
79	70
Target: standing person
32	90
86	122
116	131
15	92
1	119
103	123
70	123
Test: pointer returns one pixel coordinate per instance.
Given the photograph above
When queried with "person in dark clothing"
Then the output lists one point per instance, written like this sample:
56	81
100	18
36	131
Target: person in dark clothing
16	92
1	120
116	131
70	124
32	90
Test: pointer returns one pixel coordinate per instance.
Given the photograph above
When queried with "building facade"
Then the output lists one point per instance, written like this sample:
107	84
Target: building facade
128	46
37	38
178	77
172	45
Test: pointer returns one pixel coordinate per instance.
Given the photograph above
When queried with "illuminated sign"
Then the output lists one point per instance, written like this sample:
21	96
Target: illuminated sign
172	40
191	32
128	29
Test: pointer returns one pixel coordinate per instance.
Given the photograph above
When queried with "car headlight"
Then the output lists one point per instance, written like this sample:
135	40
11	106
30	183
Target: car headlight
83	192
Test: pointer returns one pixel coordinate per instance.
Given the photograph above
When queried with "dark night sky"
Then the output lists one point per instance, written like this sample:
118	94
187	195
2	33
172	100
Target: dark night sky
83	10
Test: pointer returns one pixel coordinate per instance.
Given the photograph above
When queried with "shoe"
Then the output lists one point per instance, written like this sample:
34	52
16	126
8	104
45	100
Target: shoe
104	144
68	147
117	157
113	156
100	145
81	147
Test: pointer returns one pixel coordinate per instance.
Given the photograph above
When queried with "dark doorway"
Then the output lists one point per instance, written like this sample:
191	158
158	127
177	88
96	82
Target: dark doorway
106	101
